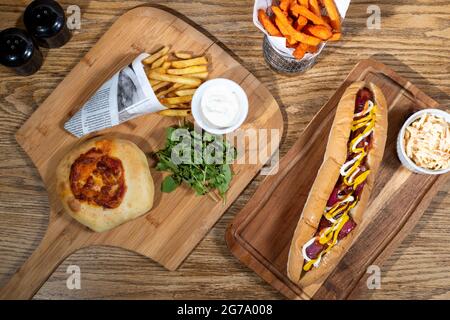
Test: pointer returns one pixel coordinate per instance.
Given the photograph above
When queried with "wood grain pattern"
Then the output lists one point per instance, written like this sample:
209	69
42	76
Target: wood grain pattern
261	234
412	41
177	221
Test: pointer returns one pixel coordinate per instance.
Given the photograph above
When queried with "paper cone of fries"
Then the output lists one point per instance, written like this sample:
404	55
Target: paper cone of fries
127	95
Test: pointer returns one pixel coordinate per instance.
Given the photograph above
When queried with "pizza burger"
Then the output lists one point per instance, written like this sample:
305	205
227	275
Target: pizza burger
105	182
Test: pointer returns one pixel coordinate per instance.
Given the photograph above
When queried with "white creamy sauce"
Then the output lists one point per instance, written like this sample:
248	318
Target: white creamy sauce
350	179
306	245
365	112
360	138
348	199
220	106
347	166
331	220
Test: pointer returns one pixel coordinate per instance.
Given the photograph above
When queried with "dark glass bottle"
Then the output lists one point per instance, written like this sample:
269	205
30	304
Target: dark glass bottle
19	52
45	20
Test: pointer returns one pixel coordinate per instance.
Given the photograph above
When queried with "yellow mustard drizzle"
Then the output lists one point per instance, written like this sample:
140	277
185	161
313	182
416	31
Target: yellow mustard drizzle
330	235
335	210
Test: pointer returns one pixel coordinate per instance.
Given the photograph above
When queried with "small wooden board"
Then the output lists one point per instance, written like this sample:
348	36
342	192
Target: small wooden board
261	234
178	221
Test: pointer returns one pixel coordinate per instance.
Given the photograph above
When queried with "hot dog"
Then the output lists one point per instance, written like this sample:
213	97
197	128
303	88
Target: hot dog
340	192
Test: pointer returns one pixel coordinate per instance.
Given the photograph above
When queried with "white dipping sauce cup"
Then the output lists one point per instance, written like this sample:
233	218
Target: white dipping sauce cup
233	87
405	160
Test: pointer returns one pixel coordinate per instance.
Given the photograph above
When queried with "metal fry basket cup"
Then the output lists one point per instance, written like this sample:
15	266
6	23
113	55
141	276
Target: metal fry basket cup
284	64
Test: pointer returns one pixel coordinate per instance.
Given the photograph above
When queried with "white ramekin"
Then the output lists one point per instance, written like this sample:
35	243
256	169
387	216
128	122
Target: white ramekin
234	87
405	160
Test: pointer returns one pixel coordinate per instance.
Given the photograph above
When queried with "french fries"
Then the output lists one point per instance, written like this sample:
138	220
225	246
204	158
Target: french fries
156	56
167	92
185	86
296	35
175	113
284	5
320	32
189	62
302	24
300	50
312	49
183	55
335	37
160	70
169	102
189	70
166	65
267	24
185	92
335	18
159	62
154	82
314	7
200	75
160	85
285	32
304	3
300	10
174	78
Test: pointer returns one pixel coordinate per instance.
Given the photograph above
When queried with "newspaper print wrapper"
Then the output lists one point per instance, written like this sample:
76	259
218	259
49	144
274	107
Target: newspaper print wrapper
127	95
279	43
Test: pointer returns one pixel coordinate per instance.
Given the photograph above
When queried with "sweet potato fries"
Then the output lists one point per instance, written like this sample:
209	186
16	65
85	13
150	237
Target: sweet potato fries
302	23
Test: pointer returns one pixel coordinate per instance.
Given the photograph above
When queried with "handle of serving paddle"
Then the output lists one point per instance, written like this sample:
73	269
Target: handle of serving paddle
53	249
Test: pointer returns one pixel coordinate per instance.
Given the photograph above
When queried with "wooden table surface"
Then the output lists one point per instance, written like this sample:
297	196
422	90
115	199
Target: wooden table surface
413	40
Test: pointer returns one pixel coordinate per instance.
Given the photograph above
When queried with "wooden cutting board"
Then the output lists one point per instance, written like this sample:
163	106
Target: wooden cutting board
261	234
178	221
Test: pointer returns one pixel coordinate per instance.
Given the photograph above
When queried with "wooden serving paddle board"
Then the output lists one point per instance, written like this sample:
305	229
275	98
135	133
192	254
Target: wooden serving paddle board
261	234
179	220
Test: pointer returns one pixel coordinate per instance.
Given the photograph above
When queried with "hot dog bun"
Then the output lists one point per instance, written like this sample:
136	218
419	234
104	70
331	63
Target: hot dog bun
335	156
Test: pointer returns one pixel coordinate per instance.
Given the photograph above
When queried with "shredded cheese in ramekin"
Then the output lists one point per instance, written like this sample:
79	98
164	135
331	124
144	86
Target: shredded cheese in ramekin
427	142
